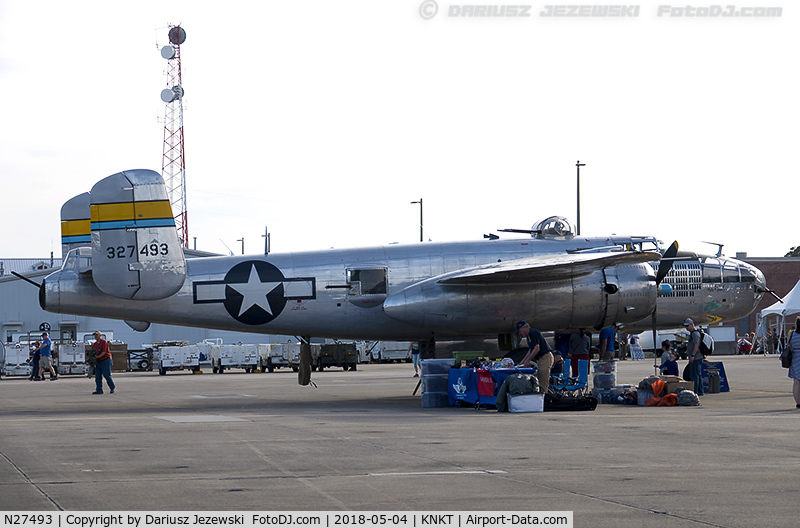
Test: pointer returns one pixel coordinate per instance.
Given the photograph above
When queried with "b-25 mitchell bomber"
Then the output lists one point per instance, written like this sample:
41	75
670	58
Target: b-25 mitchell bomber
125	261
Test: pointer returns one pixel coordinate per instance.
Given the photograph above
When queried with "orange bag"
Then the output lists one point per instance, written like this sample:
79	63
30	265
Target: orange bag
669	399
652	401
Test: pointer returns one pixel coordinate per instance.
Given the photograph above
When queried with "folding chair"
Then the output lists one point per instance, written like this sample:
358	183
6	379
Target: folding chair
579	386
559	381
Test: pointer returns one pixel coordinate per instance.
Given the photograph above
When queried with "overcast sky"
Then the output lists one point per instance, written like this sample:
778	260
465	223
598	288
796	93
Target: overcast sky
323	120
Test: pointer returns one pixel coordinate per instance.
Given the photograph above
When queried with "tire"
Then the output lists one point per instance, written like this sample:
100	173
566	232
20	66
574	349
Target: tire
320	367
162	371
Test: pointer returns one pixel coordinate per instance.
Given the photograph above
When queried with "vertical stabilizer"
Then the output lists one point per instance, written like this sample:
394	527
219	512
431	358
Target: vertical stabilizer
75	226
136	253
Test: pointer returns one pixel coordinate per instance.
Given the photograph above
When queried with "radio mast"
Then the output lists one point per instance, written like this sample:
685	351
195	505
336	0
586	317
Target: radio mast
173	168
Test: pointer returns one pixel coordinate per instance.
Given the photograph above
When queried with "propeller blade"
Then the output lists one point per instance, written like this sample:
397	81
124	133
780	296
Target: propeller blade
666	262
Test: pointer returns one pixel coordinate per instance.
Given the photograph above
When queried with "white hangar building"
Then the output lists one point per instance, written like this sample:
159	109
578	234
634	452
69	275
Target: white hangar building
20	313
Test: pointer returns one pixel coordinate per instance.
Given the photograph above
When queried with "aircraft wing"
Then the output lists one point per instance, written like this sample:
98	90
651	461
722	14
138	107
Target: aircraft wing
545	268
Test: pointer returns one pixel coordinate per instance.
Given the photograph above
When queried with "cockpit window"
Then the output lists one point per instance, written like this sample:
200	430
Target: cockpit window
712	271
730	272
749	274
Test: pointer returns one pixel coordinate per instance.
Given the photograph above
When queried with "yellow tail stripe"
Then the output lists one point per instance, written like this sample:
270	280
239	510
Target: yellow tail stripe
111	212
76	227
130	211
160	209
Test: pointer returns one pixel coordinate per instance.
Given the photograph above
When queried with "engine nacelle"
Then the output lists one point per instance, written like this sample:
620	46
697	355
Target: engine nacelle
614	295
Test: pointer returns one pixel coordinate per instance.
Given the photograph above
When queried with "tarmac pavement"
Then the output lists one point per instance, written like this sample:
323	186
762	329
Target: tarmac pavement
360	441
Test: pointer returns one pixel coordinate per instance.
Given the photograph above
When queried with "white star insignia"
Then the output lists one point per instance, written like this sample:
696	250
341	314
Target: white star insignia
255	292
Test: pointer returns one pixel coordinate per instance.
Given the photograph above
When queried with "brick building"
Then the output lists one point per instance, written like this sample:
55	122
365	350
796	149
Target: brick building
782	273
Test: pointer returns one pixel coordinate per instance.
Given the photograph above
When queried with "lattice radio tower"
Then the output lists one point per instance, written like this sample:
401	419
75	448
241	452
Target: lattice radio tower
173	168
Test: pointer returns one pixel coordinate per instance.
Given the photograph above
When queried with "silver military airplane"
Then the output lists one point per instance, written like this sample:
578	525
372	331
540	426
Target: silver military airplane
125	261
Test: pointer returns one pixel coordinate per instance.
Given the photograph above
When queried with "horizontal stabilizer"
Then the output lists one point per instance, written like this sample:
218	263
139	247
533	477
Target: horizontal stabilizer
136	253
546	268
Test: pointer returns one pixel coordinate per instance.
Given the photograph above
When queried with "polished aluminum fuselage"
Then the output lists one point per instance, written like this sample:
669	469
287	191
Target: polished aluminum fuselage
396	292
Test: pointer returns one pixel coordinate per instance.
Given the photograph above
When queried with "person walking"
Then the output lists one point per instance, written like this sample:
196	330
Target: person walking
794	370
413	350
46	359
37	355
104	361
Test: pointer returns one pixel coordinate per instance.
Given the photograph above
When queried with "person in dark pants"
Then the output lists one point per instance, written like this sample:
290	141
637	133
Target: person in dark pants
579	345
37	354
695	356
104	361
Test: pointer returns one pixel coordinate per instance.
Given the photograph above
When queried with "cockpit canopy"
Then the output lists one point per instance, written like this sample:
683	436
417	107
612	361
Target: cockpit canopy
553	227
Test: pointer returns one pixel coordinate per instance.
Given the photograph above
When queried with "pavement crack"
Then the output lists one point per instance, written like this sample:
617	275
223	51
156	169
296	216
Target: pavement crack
30	482
609	501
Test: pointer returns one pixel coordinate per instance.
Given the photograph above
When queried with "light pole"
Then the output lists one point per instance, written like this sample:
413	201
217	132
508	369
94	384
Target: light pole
420	218
242	241
579	165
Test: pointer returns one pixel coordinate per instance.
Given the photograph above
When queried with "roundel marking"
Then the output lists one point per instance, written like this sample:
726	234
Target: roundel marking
254	292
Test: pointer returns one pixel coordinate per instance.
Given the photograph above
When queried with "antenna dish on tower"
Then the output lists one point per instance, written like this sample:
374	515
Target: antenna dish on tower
171	94
168	52
177	35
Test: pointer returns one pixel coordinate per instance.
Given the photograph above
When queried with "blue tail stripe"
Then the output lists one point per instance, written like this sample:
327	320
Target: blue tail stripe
125	224
76	238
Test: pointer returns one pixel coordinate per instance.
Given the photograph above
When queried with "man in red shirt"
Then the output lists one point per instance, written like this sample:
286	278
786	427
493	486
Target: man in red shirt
104	361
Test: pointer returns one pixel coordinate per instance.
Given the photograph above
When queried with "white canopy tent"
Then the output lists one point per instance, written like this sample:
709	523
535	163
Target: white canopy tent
782	309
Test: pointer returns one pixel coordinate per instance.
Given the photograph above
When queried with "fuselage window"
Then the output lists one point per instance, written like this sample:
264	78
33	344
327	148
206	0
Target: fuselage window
367	281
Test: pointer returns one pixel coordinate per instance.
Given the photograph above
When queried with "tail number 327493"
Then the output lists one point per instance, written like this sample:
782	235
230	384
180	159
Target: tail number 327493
153	249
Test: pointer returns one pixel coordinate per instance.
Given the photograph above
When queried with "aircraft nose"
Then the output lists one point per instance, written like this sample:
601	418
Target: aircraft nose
752	274
761	281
